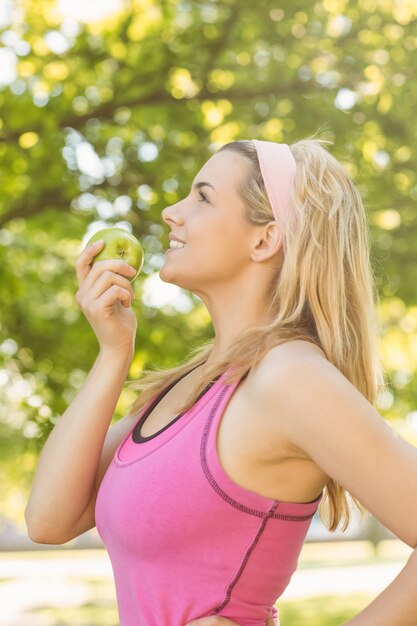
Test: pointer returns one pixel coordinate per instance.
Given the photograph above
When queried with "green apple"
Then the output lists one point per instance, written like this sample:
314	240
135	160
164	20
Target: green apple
119	244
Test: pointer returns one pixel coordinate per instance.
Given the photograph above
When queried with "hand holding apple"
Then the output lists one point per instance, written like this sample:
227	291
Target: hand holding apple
105	295
119	244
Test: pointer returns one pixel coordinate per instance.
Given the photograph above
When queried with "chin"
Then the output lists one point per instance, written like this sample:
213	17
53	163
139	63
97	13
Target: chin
167	277
164	278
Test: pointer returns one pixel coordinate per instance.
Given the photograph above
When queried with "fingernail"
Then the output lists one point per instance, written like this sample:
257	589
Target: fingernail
97	243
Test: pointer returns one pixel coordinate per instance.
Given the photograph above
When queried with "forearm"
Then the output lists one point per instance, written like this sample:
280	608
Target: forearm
65	477
397	604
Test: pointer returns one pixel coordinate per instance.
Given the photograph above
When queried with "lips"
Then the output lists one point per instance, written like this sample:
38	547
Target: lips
174	238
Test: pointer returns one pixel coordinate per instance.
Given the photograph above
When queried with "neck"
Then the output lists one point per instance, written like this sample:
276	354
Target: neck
231	321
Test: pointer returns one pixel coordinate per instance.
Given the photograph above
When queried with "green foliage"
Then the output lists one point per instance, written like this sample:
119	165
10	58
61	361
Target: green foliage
108	122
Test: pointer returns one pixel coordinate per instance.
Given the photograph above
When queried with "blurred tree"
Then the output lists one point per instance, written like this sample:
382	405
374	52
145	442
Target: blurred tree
107	122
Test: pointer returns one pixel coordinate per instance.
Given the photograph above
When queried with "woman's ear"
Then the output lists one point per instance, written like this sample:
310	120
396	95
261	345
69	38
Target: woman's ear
268	242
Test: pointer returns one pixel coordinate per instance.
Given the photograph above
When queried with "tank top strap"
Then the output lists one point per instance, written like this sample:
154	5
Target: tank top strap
237	495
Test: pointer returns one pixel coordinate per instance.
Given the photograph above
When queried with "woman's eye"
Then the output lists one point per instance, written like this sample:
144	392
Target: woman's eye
203	197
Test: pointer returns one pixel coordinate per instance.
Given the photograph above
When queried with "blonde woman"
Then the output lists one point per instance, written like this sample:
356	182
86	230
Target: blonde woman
203	493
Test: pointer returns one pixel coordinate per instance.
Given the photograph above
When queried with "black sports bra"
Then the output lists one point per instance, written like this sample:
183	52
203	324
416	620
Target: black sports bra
137	437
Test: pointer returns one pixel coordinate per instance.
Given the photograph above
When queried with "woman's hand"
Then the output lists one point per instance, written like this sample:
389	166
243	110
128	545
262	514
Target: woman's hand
105	295
222	621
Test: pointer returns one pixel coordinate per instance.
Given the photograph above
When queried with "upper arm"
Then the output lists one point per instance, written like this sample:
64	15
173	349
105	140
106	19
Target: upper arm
327	418
116	433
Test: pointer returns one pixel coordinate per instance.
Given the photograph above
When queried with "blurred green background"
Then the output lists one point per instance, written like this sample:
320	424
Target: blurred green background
108	110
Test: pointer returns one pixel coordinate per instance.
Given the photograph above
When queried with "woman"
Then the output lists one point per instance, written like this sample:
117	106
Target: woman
203	493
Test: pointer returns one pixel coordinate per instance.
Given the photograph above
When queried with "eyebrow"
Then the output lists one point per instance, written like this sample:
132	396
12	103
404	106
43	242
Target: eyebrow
203	184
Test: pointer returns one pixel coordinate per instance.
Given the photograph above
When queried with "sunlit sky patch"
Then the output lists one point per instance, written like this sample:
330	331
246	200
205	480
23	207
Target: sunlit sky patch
345	99
160	295
90	10
5	8
8	67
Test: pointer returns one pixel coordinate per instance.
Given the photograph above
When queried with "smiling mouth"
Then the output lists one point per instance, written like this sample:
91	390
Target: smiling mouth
176	245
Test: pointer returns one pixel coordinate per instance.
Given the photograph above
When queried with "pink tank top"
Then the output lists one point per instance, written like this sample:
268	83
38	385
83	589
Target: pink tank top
185	541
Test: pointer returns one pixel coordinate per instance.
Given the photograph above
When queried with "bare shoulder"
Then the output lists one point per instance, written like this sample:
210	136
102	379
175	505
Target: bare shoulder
287	360
297	348
312	405
294	381
306	402
281	377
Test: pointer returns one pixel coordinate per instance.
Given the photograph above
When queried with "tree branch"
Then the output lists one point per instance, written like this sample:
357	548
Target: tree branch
27	209
107	109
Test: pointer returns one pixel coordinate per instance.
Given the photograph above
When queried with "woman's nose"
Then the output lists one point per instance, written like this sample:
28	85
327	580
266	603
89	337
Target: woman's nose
172	214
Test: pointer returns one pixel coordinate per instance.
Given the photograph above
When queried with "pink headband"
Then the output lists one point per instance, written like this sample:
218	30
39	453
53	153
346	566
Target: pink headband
278	171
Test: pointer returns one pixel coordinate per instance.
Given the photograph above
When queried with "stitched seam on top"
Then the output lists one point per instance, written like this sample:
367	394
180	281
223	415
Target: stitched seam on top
245	560
205	467
120	463
293	518
211	480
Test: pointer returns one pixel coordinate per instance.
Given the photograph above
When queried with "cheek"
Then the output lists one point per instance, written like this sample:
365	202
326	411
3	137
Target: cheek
213	253
219	252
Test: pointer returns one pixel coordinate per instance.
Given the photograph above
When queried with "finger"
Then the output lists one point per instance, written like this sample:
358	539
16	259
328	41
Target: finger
115	266
107	280
109	298
83	263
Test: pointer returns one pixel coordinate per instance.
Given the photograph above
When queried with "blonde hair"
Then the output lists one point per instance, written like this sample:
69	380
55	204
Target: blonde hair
323	292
